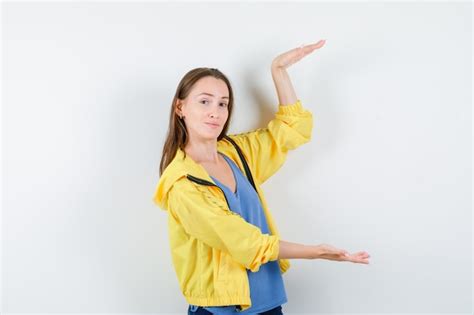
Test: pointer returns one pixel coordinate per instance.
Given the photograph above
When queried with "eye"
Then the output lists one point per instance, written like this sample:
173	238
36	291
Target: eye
225	104
203	101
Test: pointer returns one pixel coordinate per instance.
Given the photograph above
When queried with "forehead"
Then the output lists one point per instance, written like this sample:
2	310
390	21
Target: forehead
211	85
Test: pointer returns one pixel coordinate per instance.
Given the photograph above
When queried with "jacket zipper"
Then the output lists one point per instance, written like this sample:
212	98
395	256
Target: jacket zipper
246	168
207	183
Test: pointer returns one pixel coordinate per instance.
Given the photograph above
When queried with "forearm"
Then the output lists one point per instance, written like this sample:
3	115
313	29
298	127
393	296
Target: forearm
284	88
295	250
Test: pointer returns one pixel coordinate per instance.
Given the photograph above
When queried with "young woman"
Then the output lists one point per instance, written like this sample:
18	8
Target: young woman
225	246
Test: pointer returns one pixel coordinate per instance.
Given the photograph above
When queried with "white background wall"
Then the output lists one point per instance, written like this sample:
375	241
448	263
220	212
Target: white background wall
87	89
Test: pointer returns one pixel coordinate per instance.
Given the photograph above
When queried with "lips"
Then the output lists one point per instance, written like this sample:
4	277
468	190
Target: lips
212	125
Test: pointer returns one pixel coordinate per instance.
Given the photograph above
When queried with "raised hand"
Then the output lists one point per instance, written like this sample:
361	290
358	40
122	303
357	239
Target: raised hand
294	55
284	88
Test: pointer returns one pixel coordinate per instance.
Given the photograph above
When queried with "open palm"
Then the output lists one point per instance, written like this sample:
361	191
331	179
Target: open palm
332	253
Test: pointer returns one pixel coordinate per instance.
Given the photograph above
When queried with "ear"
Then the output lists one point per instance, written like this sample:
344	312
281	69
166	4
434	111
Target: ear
177	108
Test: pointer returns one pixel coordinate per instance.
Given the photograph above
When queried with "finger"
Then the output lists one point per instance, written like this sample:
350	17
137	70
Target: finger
307	50
320	43
301	52
362	261
314	46
317	44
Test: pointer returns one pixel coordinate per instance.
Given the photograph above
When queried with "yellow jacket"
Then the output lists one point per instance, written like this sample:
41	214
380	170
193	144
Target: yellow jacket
212	246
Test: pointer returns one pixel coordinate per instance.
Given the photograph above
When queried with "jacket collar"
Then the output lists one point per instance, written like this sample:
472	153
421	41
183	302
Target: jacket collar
181	166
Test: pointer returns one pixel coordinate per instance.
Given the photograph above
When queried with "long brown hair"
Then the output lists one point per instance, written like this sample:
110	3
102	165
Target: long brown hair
177	133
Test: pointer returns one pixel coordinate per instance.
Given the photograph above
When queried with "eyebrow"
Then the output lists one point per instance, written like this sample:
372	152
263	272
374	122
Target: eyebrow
211	95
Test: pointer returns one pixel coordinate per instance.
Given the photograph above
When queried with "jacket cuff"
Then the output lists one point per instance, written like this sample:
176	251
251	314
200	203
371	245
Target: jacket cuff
290	108
276	248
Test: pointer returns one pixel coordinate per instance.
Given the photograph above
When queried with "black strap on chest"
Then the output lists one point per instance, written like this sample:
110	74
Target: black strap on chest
244	162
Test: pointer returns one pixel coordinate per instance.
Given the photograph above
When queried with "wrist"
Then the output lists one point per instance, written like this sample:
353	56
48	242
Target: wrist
276	69
315	251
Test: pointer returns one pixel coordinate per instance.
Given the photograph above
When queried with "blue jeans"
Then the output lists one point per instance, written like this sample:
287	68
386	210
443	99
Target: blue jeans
201	311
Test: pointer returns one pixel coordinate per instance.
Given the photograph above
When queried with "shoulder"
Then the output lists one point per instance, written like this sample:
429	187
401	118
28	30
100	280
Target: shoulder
188	194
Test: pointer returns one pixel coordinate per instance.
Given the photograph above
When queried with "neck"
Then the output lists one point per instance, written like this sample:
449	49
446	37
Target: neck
203	152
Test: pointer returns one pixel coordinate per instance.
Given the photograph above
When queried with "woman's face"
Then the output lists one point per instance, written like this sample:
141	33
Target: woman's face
205	109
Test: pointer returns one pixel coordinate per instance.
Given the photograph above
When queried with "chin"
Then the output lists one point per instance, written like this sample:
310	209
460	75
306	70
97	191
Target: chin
210	136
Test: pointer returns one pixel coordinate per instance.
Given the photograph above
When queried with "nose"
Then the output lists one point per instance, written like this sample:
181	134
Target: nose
214	113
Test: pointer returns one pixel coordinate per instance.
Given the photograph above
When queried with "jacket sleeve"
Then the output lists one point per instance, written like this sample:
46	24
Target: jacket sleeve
266	148
221	229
